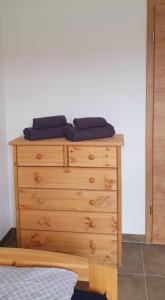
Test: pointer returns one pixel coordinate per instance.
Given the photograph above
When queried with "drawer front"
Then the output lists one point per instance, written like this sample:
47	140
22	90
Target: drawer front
72	243
40	155
84	156
76	200
71	178
69	221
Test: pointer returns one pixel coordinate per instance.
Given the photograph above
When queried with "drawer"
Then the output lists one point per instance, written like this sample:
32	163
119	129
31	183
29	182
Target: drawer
40	155
84	156
77	200
92	222
71	178
72	243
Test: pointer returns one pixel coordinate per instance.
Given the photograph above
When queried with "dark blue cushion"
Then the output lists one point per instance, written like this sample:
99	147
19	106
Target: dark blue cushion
84	295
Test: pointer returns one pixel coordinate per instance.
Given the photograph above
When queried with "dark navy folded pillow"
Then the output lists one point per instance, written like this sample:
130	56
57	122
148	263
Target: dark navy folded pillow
84	295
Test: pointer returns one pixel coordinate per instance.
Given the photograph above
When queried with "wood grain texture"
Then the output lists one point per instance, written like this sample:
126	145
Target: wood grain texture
16	194
65	154
40	155
116	140
102	277
69	222
159	128
74	178
119	207
74	209
75	200
101	245
151	4
36	258
88	156
149	120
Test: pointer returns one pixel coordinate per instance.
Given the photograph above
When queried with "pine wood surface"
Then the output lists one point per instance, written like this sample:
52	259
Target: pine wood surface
102	277
150	112
74	207
119	207
99	245
116	140
73	221
87	156
159	128
149	119
15	169
35	258
76	200
65	178
40	155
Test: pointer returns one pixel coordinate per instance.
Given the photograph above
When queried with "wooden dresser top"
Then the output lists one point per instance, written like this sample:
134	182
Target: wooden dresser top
116	140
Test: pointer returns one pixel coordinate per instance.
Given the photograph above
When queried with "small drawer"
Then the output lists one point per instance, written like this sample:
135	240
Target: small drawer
67	178
71	243
40	155
76	200
91	222
84	156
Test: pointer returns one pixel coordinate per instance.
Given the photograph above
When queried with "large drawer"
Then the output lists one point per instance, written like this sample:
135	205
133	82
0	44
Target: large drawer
76	200
40	155
71	178
72	243
85	156
91	222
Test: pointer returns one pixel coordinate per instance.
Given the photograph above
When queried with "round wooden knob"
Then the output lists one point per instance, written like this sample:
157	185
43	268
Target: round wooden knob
37	178
91	179
91	157
89	222
92	246
92	224
41	222
39	156
40	201
92	202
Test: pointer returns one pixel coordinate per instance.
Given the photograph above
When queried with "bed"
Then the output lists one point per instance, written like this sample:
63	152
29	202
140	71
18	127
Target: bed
102	276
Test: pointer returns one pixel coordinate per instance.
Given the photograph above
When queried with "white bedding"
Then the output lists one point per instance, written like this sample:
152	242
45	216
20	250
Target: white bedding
36	283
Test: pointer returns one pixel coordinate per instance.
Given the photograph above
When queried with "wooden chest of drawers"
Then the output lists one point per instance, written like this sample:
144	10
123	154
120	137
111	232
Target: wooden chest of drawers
68	196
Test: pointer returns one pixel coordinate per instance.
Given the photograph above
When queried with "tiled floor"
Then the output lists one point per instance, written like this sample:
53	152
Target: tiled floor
142	275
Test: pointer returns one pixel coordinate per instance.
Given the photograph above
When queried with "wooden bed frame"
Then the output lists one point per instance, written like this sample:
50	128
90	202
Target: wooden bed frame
102	277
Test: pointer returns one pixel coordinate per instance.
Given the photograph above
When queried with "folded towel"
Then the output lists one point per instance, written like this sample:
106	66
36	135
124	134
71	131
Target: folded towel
84	123
47	133
73	134
49	122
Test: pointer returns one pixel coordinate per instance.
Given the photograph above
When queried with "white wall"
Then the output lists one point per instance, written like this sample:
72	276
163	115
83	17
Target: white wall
5	222
81	58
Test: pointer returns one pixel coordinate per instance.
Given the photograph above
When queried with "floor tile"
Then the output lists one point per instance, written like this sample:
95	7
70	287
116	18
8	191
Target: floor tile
132	287
154	260
138	238
132	259
155	287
